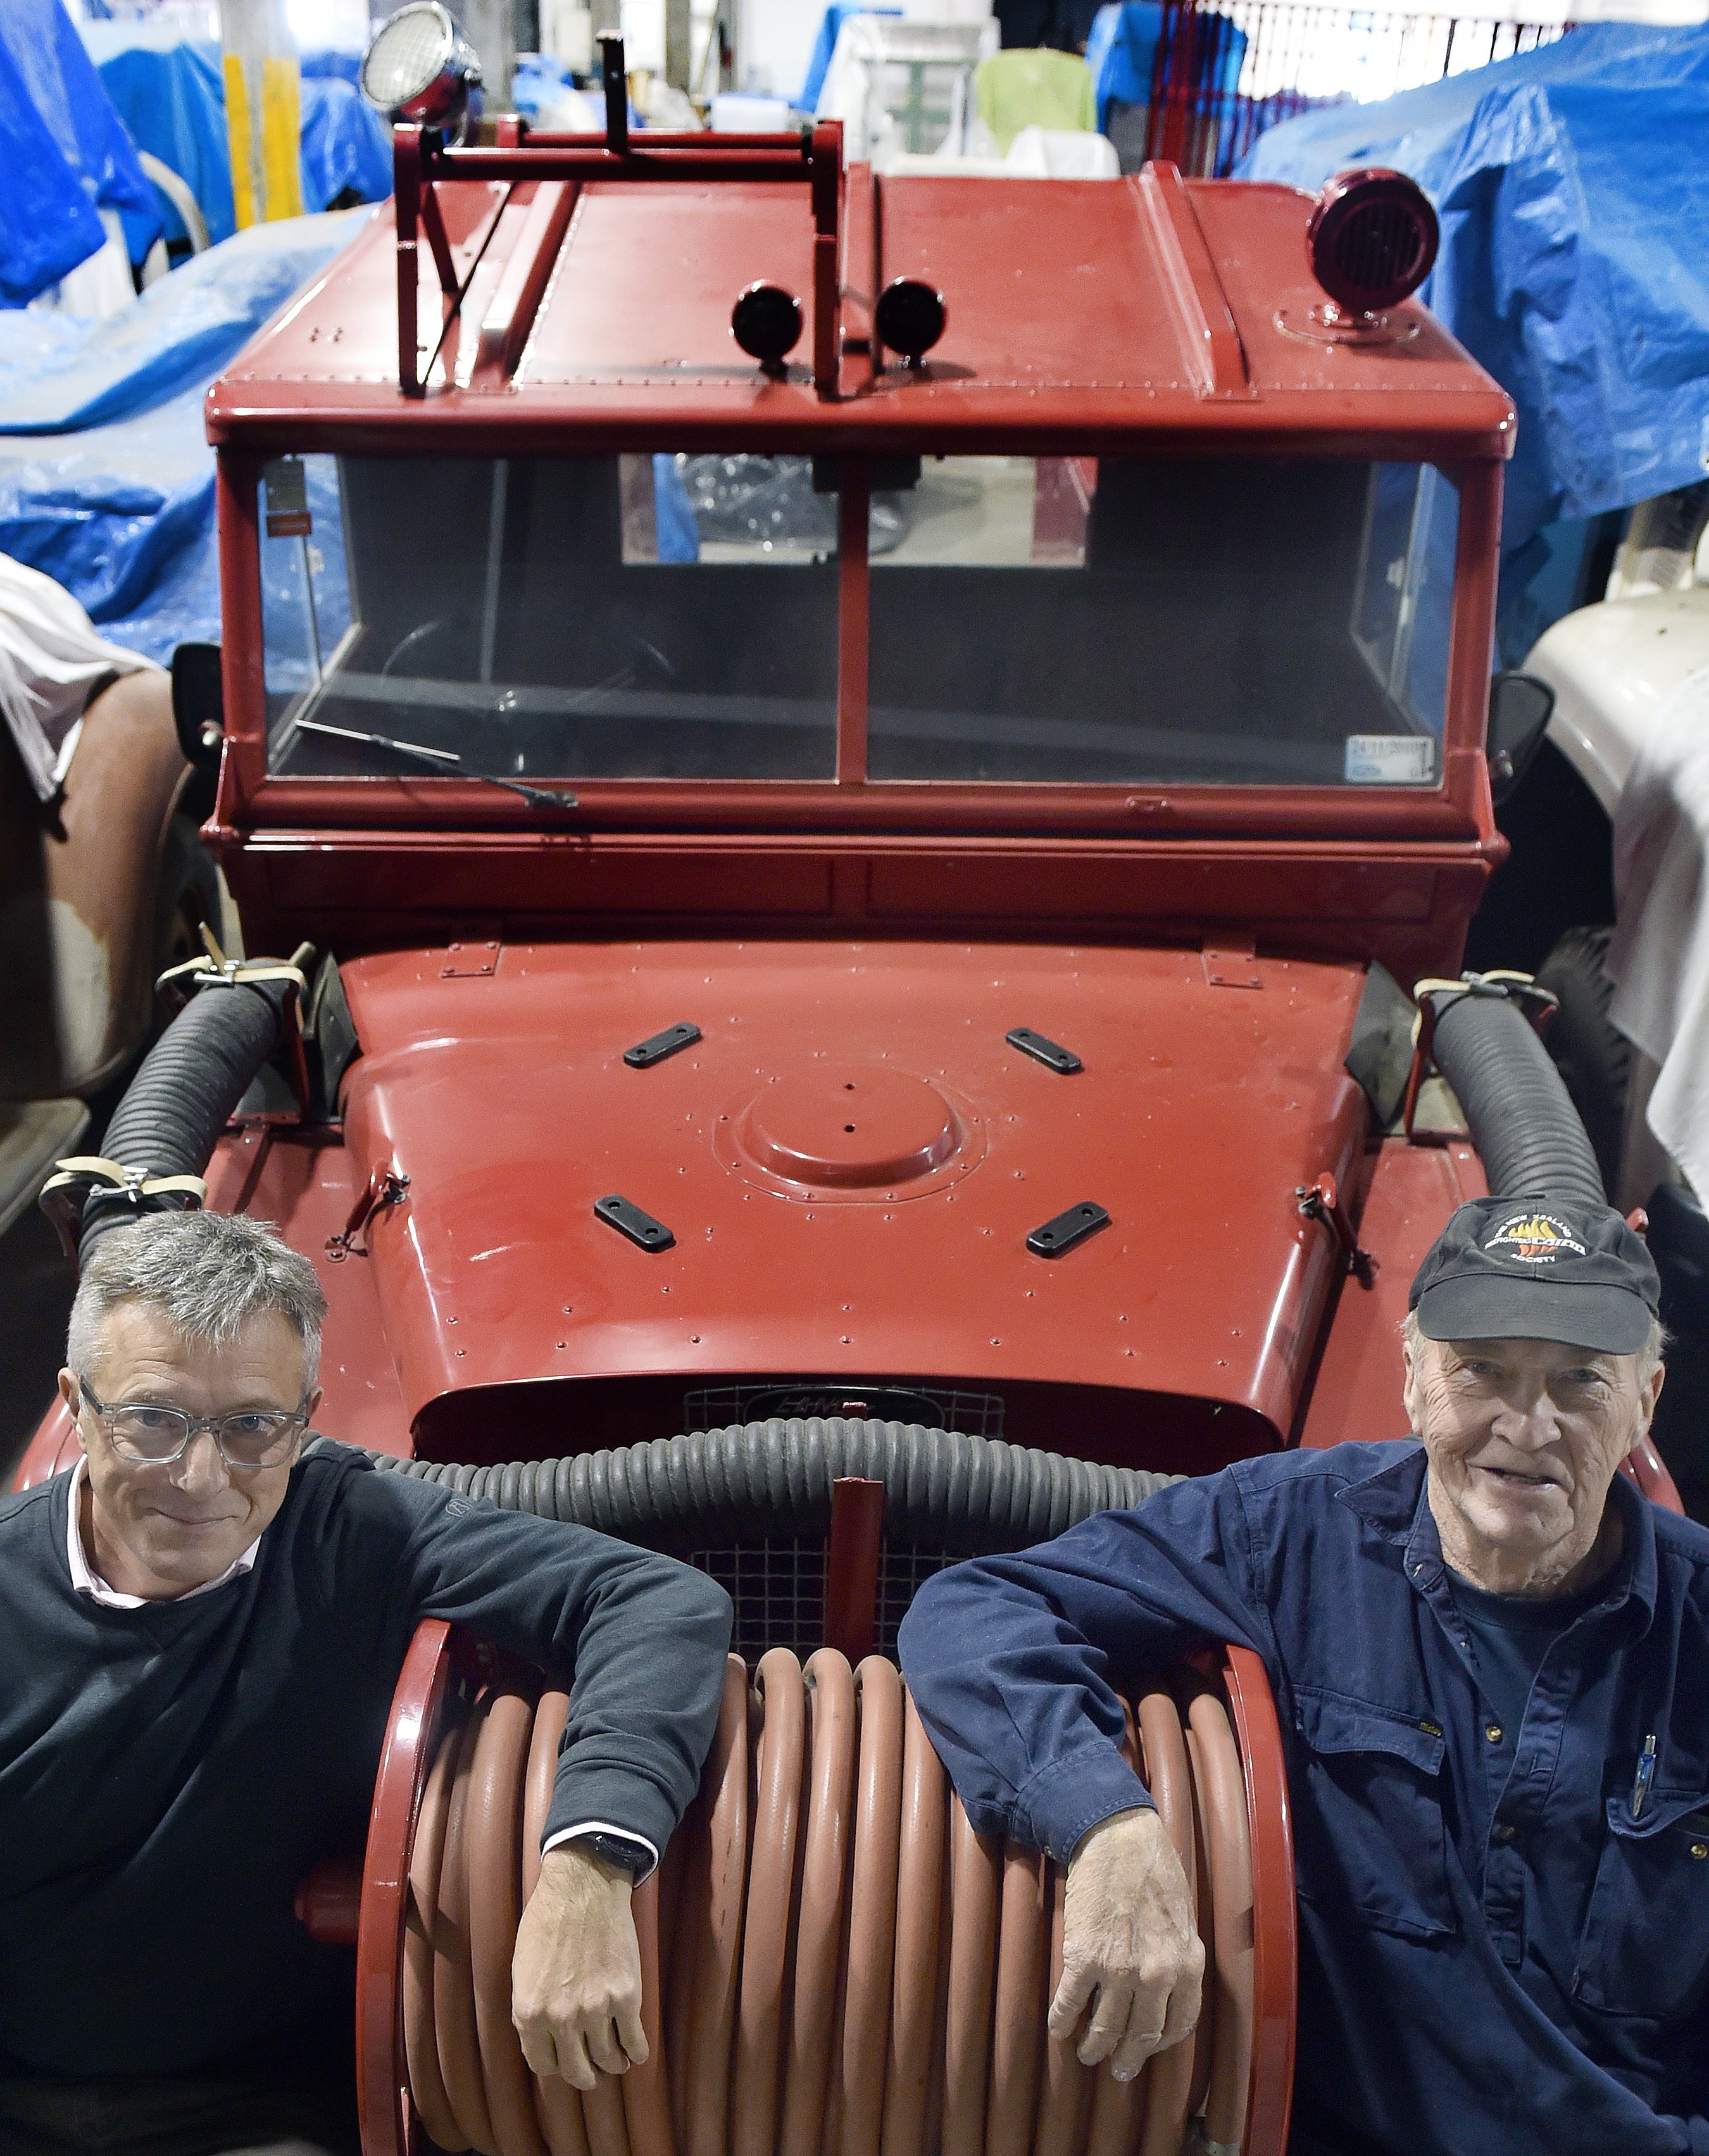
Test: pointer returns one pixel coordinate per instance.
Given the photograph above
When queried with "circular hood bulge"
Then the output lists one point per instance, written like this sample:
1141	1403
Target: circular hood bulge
849	1128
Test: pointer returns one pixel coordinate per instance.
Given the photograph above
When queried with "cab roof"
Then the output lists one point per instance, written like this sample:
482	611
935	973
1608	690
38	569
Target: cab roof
1148	312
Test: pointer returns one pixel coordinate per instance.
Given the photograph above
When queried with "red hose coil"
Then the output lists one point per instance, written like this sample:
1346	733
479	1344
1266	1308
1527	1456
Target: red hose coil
832	1960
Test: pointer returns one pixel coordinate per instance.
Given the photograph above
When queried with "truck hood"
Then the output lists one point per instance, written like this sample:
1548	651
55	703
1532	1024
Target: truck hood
849	1161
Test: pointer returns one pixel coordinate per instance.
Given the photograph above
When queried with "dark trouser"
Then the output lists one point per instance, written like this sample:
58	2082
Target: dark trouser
298	2091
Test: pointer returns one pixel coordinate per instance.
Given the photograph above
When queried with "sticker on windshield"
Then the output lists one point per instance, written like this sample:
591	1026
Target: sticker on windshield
1390	760
287	499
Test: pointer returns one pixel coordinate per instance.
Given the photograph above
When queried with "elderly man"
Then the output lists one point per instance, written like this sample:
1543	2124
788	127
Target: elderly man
202	1629
1491	1658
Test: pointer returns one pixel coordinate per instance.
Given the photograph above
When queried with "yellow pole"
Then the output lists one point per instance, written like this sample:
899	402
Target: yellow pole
262	110
281	135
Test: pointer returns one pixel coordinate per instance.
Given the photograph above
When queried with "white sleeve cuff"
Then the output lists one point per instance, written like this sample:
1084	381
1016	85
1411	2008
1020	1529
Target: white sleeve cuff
605	1826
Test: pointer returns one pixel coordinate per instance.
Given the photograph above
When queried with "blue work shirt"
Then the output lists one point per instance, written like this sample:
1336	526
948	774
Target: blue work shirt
1495	1957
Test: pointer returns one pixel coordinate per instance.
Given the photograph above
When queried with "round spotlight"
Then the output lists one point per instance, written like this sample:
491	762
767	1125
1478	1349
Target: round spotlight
419	67
1372	238
766	322
910	318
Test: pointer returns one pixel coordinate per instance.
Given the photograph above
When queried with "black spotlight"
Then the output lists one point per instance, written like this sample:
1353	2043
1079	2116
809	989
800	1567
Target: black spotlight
766	322
1372	238
910	318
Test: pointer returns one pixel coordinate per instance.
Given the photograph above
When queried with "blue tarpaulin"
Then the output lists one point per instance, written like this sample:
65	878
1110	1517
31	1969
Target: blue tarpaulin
170	92
1573	188
67	156
1122	55
347	147
106	480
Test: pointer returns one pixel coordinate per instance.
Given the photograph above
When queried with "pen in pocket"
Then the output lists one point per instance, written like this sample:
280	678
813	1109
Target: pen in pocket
1644	1775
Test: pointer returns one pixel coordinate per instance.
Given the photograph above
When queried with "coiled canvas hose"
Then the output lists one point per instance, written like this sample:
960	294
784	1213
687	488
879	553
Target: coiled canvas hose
968	1495
1521	1115
833	1964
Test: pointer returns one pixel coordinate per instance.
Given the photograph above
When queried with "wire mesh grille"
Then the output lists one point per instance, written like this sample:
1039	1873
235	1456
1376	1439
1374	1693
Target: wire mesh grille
779	1589
1223	75
889	1399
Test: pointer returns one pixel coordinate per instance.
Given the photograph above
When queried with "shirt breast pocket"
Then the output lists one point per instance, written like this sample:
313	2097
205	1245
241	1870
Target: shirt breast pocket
1368	1835
1645	1948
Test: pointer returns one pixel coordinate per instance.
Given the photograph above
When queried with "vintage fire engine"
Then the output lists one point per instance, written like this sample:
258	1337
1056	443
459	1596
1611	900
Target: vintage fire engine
868	792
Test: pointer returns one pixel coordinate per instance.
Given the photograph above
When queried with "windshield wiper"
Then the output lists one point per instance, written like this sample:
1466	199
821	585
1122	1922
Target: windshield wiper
542	797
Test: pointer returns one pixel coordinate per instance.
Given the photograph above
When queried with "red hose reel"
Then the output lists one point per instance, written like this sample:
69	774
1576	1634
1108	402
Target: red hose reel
833	1964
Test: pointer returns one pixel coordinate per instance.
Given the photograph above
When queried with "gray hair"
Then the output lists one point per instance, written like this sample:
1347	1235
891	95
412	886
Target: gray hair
208	1274
1650	1355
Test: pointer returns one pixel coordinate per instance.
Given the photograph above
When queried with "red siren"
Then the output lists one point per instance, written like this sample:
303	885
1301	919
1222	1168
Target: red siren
1371	242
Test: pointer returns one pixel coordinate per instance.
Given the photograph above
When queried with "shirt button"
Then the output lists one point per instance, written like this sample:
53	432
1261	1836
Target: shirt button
1505	1833
1699	1849
1493	1732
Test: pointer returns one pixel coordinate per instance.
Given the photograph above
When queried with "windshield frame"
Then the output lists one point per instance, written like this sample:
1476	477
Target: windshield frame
1455	807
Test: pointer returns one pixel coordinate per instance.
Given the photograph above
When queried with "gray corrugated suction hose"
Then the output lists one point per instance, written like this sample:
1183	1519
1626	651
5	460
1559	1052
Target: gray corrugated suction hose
942	1488
1521	1118
183	1095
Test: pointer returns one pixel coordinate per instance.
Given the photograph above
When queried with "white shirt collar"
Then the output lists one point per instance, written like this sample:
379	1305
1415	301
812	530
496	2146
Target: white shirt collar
91	1584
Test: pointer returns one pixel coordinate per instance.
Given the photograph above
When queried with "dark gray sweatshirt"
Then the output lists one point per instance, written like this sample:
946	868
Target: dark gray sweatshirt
168	1774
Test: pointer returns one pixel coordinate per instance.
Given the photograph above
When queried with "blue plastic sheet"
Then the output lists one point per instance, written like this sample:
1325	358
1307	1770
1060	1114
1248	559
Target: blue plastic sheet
347	147
106	480
540	82
171	94
67	156
172	97
1573	188
1121	53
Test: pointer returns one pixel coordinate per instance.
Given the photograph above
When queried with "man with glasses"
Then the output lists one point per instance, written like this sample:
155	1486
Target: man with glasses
202	1628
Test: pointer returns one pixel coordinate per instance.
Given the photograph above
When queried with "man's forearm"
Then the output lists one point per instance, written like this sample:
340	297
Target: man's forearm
1010	1659
644	1639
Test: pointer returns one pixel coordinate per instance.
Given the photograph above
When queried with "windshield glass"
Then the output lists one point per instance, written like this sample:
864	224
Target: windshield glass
1210	620
656	617
1217	620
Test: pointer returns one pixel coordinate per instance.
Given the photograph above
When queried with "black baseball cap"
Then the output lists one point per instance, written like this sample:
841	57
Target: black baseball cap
1538	1269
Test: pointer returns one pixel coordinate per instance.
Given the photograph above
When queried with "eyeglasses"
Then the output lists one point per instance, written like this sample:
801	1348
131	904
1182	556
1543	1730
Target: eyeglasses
155	1436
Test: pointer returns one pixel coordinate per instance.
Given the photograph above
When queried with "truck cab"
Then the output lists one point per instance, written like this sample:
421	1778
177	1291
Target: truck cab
855	751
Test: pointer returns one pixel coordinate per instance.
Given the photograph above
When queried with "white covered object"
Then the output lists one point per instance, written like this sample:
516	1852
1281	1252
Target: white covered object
1036	153
895	82
570	112
1062	153
1613	667
1658	960
99	286
52	662
735	113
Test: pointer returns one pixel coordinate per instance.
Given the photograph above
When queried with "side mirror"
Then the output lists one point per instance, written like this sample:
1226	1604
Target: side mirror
199	704
1521	706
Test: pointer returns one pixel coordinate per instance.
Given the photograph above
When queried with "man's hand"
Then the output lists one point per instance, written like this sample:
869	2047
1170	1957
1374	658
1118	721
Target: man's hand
1129	1948
576	1976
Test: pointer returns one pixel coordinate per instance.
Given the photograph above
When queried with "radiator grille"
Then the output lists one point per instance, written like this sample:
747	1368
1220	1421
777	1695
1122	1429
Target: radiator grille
779	1589
717	1407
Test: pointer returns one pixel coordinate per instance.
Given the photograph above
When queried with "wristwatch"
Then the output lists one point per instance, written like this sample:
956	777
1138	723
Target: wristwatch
619	1850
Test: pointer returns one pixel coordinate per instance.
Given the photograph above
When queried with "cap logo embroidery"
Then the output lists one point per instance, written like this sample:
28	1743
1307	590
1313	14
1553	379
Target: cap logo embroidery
1534	1239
